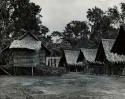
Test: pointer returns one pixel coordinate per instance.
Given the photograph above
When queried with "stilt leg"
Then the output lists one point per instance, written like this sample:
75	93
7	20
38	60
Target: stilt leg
13	71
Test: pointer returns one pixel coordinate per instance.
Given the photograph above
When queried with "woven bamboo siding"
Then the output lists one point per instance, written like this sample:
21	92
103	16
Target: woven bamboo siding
26	59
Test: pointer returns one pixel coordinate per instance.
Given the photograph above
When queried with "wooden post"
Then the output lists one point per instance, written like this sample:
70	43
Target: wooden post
104	69
32	71
13	70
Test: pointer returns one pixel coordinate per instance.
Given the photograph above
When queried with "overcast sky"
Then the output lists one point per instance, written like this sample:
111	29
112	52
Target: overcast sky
57	13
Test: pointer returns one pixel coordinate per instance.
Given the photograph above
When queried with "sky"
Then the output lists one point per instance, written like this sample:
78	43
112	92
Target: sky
57	13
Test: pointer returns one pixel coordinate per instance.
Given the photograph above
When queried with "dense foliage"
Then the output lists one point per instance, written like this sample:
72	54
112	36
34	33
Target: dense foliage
100	24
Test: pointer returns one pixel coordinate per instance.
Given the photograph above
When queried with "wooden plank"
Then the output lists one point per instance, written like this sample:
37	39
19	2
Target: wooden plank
26	61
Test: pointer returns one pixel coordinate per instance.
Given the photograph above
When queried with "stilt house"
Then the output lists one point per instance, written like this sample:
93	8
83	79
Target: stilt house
28	52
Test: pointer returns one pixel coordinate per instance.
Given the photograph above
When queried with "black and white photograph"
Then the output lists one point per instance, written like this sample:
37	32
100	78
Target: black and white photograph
62	49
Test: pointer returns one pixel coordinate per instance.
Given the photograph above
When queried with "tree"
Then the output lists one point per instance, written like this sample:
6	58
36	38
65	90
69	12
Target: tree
73	31
56	33
94	16
76	30
43	32
118	17
101	23
114	15
123	13
25	15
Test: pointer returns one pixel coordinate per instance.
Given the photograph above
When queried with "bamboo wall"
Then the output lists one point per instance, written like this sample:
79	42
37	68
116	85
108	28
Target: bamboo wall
26	58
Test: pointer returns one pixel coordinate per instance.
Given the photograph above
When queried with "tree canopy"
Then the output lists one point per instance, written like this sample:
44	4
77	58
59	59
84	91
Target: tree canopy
99	25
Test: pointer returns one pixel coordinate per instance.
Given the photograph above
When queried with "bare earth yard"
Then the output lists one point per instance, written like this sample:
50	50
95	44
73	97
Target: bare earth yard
68	86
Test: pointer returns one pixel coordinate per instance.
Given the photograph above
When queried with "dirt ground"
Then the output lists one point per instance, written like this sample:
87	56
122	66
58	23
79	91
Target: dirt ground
67	86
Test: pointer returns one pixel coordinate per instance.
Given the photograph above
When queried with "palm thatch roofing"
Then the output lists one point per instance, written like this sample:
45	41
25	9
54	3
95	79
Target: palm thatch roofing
28	41
110	56
89	54
72	57
118	46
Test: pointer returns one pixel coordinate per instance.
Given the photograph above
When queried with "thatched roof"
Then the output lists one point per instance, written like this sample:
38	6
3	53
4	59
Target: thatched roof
118	46
71	57
89	54
27	42
111	57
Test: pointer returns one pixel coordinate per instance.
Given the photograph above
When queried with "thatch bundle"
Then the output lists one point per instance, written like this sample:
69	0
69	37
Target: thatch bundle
89	54
110	56
72	57
26	43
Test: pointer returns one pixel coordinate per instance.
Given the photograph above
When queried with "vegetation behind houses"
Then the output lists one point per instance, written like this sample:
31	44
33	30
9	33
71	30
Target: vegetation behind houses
18	17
